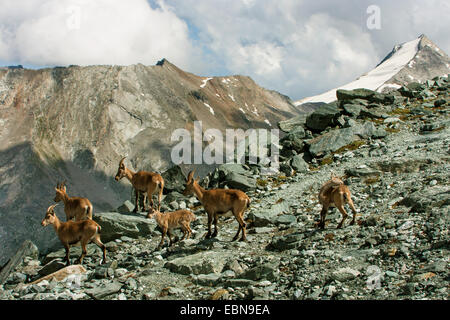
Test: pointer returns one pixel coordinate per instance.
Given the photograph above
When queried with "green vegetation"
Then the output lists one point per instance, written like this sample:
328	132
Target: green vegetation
352	146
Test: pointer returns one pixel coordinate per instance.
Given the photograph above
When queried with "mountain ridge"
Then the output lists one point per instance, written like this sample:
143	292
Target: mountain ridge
75	123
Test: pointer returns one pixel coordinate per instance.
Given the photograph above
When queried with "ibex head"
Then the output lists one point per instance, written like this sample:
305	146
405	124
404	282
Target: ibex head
50	216
121	171
60	191
190	184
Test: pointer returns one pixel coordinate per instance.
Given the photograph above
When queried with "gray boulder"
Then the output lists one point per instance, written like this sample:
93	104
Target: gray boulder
105	290
28	249
286	242
239	181
299	164
293	123
126	207
205	262
115	225
266	216
423	200
174	179
352	109
322	117
331	141
266	271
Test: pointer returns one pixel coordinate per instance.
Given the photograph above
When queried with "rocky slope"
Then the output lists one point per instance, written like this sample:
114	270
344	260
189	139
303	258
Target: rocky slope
393	150
76	123
413	61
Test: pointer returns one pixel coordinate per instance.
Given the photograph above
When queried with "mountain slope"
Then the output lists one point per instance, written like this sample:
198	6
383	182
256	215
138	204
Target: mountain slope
416	60
76	123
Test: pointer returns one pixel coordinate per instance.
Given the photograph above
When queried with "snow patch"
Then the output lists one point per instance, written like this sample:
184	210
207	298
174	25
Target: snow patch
204	82
375	78
232	98
389	85
268	122
242	110
209	107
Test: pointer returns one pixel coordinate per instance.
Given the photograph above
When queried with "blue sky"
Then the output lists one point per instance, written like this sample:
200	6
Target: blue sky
297	47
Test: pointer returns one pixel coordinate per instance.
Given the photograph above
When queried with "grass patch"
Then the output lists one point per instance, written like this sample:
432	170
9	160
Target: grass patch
375	120
392	130
350	147
400	111
278	181
372	180
262	182
326	160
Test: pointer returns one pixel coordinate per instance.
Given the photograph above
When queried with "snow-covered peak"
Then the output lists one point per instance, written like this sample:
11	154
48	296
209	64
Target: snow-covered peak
400	61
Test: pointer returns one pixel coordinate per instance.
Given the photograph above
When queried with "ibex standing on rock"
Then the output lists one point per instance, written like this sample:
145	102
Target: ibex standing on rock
335	193
73	232
143	181
74	207
219	201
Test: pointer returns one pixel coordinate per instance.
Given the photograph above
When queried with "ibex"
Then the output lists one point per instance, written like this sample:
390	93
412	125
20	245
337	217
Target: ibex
74	207
335	193
143	181
172	220
73	232
219	201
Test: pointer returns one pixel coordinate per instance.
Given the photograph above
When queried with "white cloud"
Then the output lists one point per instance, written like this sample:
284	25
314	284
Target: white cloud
55	32
300	48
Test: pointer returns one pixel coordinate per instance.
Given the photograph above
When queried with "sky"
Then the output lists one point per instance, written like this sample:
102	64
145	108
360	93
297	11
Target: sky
299	48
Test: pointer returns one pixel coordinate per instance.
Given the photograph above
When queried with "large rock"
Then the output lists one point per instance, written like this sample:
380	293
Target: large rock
293	140
299	164
104	290
345	274
292	124
331	141
205	262
266	216
239	181
352	109
286	242
126	207
174	180
28	249
424	199
322	117
362	93
368	130
115	225
266	271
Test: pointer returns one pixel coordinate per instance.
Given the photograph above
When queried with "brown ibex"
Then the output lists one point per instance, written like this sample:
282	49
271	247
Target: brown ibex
172	220
74	207
73	232
142	181
335	193
219	201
